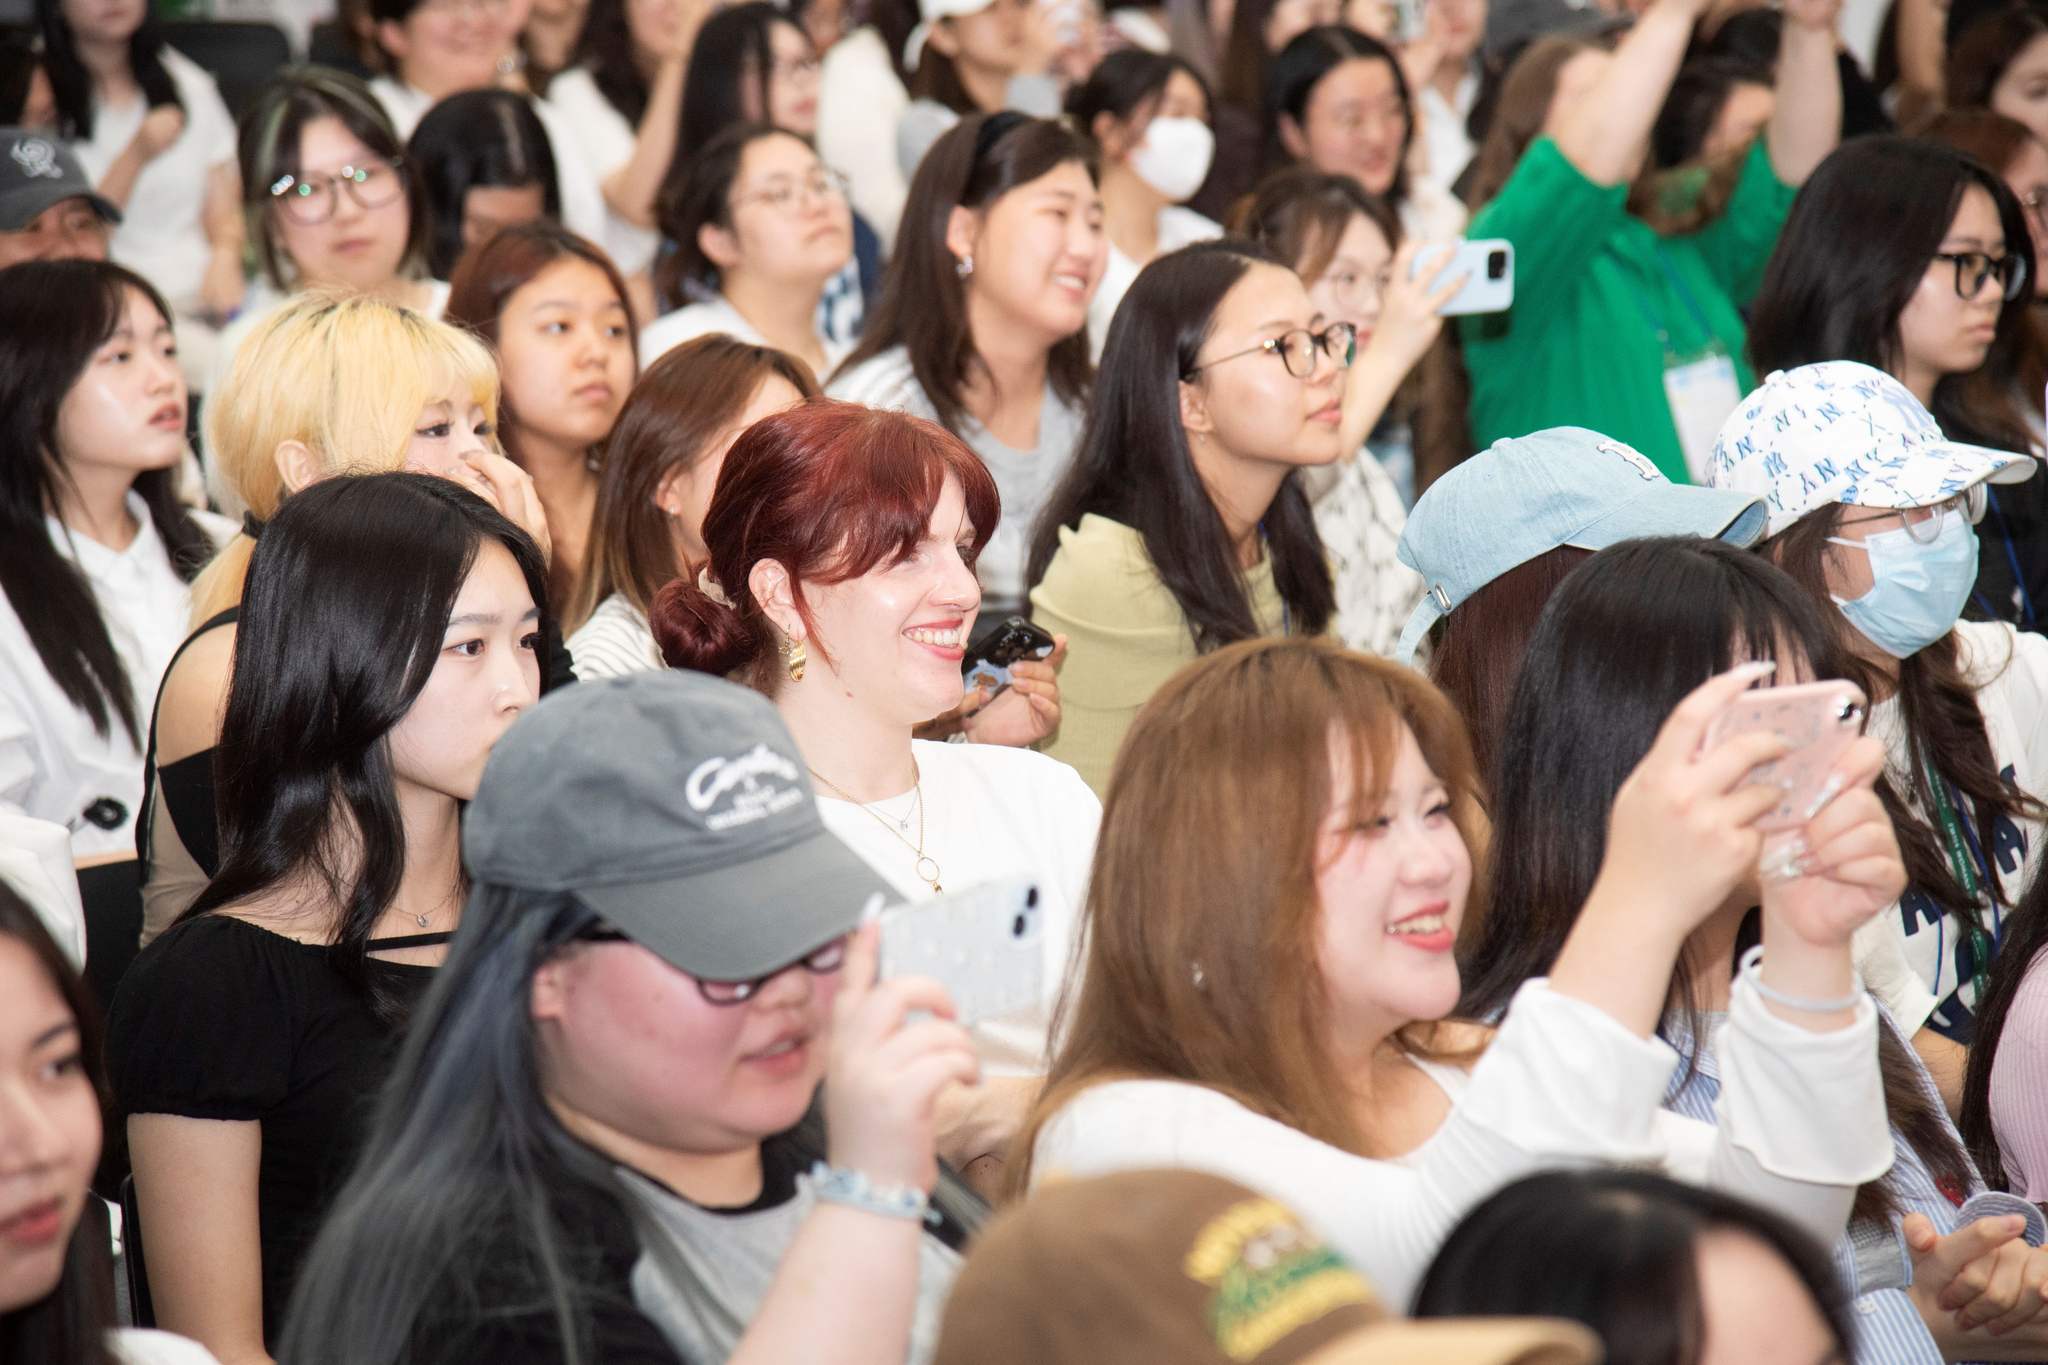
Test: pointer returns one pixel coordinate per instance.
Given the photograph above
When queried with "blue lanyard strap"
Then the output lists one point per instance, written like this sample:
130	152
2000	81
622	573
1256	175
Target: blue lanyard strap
1692	304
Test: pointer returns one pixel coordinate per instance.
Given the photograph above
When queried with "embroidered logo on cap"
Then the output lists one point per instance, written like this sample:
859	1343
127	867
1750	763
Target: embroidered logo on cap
1271	1276
749	781
36	158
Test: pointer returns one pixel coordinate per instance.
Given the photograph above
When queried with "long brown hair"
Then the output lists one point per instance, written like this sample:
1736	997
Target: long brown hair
686	398
924	297
1524	106
1200	930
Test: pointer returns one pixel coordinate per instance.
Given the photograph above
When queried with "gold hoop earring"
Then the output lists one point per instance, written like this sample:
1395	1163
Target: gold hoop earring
793	658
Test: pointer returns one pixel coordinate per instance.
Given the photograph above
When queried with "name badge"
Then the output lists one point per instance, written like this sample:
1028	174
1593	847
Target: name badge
1702	393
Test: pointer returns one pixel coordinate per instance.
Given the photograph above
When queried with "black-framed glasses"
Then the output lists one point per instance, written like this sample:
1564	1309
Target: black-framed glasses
1297	349
310	200
1974	267
828	958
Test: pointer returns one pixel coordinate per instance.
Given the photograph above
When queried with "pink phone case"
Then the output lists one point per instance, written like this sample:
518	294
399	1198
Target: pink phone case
1819	720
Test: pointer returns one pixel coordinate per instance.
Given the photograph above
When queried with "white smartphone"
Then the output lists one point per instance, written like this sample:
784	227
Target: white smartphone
985	946
1488	266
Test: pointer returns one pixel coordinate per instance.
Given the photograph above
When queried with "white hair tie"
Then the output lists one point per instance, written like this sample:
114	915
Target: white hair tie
708	585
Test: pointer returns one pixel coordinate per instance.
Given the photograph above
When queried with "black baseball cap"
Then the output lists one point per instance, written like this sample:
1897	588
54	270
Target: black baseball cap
38	171
677	806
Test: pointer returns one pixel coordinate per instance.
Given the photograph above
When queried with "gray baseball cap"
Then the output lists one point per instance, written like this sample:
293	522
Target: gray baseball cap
677	806
38	171
1527	495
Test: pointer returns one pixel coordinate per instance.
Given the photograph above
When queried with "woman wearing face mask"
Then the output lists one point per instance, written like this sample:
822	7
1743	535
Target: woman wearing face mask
56	1274
1339	102
1589	692
335	207
1182	526
1625	324
1269	976
1876	523
969	57
1943	266
323	388
596	1144
389	637
1149	116
840	582
983	316
554	309
483	160
96	556
761	226
151	130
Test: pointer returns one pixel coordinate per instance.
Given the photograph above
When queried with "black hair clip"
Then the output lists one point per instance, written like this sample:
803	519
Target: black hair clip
252	526
992	130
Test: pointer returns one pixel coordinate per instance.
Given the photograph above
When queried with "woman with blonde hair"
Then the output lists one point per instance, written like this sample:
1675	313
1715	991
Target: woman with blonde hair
325	386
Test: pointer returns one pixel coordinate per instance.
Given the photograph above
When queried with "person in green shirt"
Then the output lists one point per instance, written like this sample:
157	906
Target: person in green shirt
1616	326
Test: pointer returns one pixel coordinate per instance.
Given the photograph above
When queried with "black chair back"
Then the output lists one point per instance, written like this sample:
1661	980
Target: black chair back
241	56
131	1256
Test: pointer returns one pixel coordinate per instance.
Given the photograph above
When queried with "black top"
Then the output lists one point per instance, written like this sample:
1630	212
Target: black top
221	1019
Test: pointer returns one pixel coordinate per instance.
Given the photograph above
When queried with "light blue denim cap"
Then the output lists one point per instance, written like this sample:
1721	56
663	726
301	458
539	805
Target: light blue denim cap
1531	494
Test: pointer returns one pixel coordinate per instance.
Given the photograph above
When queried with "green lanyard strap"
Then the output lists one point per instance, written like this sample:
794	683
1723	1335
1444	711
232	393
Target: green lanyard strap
1965	869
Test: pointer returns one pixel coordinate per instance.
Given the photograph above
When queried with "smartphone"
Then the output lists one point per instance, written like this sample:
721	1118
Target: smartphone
984	946
1819	720
1488	266
989	665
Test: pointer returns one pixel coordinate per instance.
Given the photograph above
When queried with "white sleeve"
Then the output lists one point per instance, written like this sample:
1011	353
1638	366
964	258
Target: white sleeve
860	102
1880	951
19	758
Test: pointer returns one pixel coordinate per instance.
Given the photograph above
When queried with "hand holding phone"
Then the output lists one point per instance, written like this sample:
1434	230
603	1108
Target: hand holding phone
988	667
985	946
1488	266
1818	720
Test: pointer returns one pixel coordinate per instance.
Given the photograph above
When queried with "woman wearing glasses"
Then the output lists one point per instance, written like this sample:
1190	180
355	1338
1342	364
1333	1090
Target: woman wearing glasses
760	226
1915	258
332	203
1183	525
983	322
1872	511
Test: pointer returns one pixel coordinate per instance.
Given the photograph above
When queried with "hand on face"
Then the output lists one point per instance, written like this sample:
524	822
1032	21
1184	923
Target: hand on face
1844	865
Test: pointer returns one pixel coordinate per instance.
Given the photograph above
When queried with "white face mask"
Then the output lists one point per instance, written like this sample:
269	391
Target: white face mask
1174	157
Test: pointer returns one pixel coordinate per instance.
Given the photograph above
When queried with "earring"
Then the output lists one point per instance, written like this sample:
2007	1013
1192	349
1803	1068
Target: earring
793	658
965	266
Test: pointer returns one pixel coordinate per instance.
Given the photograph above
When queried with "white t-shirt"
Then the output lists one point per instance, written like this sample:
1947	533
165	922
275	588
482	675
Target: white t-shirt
1430	214
2009	669
989	813
860	102
162	236
613	643
606	141
53	764
1562	1085
1177	227
583	210
694	320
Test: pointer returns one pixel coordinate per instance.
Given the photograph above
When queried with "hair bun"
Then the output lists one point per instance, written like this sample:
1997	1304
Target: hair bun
696	630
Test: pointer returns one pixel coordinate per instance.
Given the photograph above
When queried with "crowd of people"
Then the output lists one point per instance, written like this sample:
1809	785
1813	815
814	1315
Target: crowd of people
496	530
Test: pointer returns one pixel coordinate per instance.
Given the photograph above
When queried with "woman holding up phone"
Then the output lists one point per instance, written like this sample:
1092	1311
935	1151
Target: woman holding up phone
1873	512
840	582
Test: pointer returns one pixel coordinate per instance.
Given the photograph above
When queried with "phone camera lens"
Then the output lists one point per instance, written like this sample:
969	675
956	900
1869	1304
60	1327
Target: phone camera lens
1031	896
1496	264
1848	712
1017	927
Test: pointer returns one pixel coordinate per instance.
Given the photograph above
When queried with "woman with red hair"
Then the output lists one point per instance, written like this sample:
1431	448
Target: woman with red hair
840	583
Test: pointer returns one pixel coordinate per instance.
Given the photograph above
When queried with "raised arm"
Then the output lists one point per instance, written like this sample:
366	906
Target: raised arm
1806	122
630	191
1607	135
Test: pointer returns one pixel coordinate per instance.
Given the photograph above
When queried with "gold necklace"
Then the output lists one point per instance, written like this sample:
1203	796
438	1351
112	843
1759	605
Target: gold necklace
924	860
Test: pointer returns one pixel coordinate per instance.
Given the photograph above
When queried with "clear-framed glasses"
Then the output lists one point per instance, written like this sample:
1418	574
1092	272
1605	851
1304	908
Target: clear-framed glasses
311	199
789	68
1923	524
785	196
1355	292
1974	267
1297	349
819	961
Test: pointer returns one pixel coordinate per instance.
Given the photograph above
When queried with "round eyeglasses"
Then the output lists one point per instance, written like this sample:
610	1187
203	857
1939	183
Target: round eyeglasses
787	196
1297	349
1974	267
311	199
1923	524
819	961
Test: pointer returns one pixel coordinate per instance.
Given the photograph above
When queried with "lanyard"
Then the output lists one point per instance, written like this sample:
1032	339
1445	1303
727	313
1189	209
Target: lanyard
1692	305
1965	868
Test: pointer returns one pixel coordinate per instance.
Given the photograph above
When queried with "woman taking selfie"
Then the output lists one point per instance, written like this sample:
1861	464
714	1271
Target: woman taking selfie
95	558
600	1141
1182	525
1360	1102
983	319
840	582
388	638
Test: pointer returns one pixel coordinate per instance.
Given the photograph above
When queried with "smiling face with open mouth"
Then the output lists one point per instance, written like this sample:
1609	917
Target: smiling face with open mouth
1038	253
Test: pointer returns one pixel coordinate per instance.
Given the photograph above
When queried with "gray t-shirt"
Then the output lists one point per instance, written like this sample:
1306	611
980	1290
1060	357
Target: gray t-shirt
731	1258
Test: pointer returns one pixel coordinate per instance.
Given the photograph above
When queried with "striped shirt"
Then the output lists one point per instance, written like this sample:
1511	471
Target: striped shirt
614	642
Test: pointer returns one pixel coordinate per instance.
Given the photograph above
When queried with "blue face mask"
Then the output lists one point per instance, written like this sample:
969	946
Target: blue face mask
1918	589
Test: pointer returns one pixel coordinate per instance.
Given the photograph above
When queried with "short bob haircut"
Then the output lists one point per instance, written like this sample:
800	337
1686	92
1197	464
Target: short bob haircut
1616	1250
677	409
267	146
1207	854
829	491
478	139
348	377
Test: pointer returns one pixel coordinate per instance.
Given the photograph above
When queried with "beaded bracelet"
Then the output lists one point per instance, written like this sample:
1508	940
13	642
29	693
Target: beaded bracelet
1752	968
837	1185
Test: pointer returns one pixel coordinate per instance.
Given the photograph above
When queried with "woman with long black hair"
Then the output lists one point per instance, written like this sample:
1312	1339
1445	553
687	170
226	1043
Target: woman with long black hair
96	558
1182	525
388	636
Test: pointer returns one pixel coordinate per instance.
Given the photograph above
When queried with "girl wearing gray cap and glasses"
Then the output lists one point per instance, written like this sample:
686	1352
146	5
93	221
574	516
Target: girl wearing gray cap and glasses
594	1147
